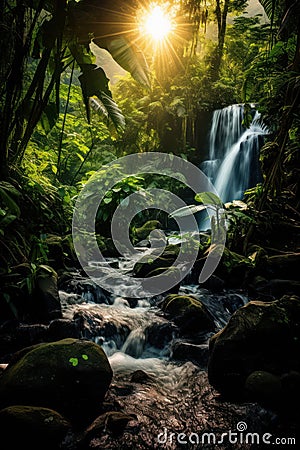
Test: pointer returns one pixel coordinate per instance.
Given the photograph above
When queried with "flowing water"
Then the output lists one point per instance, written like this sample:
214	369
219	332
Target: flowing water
163	393
233	160
165	390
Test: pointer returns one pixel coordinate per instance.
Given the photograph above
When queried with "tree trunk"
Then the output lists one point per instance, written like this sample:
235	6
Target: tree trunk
221	16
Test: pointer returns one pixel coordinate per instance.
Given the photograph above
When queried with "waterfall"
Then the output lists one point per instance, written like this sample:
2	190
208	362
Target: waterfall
233	160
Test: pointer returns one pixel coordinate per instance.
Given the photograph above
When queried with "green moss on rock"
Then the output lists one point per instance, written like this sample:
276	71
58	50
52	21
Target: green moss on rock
260	336
264	387
188	313
144	231
46	375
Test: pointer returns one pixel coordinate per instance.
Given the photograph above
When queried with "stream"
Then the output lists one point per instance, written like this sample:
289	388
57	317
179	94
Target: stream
165	390
159	374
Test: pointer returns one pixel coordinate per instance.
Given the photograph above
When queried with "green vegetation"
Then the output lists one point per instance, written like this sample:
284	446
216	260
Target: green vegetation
61	120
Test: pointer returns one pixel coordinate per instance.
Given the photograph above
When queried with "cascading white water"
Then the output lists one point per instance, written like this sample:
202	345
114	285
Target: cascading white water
233	164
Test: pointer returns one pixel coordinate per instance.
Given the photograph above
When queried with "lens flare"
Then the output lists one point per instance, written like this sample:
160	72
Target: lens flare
157	23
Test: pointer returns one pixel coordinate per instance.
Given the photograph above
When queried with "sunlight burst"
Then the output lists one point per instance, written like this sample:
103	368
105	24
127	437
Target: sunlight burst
157	23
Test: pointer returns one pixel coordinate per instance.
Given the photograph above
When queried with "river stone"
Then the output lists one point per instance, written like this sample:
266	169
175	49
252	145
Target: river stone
185	351
64	328
188	313
140	376
32	426
150	262
160	334
113	422
264	387
291	390
144	231
70	376
259	336
46	297
283	266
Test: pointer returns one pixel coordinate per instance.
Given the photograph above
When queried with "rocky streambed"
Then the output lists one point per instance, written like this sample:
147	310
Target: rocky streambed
194	369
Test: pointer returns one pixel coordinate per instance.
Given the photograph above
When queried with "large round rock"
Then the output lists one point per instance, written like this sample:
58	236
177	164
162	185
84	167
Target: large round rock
258	337
71	376
188	313
33	427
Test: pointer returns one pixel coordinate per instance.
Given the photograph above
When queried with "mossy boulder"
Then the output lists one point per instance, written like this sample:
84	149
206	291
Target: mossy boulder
143	232
259	336
71	376
188	313
264	387
61	252
279	393
151	262
33	427
234	268
106	246
283	266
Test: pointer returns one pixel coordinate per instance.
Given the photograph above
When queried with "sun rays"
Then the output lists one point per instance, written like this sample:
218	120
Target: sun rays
158	28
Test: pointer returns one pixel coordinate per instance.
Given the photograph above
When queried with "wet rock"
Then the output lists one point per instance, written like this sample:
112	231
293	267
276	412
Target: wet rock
113	422
160	334
283	266
139	376
188	313
2	367
17	336
234	268
291	390
274	288
279	393
70	376
185	351
107	246
88	290
93	325
31	334
281	287
46	305
261	336
152	261
264	387
64	328
32	427
150	264
214	284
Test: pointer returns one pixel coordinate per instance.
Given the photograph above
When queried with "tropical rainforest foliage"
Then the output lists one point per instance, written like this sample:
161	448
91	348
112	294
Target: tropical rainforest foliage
61	119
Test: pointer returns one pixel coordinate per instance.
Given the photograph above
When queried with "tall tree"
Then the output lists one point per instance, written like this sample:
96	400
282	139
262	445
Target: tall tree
39	40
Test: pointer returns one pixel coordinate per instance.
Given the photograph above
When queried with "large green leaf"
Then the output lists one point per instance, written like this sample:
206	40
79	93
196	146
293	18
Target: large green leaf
107	107
187	211
93	81
10	203
128	56
269	7
6	193
208	198
82	53
94	84
113	111
49	117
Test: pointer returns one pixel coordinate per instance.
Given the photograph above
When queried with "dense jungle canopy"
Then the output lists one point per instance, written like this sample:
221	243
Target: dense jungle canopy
61	118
